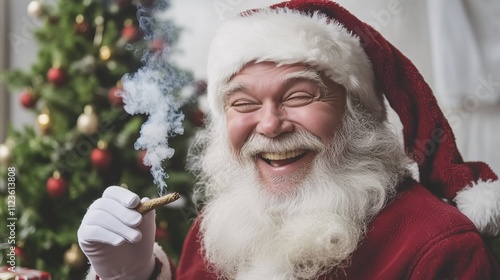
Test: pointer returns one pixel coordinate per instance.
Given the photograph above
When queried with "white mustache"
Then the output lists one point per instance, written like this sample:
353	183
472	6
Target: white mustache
257	143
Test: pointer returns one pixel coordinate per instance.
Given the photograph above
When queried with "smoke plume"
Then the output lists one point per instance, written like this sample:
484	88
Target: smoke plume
158	90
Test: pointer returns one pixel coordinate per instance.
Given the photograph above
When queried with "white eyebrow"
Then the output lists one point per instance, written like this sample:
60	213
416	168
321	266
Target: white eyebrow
231	87
308	75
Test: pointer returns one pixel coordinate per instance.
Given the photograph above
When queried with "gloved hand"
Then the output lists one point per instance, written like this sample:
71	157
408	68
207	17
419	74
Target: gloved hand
117	240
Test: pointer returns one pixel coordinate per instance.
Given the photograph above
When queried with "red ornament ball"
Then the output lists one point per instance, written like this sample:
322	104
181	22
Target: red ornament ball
161	234
197	117
56	76
20	252
100	158
157	45
56	187
113	98
131	33
28	100
81	27
140	160
201	87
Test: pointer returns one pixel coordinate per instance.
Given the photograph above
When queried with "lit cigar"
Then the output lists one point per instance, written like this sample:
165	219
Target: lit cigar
145	207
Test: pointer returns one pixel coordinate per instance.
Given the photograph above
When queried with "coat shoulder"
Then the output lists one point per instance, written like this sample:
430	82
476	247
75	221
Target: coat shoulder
416	211
415	230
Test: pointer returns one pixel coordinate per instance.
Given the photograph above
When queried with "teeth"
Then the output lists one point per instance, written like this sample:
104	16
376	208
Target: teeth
282	156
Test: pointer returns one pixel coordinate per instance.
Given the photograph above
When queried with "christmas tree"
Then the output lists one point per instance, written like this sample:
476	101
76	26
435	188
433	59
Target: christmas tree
82	139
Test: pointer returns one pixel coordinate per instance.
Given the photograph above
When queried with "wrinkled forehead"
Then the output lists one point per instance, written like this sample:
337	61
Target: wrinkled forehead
284	71
289	74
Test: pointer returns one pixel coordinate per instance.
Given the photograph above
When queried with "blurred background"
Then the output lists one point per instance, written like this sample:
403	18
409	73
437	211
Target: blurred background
65	131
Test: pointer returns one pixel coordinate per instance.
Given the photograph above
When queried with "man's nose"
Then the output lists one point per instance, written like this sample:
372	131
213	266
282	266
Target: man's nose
273	121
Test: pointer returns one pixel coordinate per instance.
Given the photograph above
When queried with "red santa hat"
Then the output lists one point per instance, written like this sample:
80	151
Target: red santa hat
327	37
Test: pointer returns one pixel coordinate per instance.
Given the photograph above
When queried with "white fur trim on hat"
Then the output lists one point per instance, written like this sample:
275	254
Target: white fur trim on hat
481	204
286	36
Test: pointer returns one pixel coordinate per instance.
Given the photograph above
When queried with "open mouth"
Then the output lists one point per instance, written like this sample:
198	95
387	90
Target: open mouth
281	159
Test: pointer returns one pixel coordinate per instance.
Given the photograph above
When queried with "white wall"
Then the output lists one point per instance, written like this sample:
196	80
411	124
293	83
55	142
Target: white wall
22	53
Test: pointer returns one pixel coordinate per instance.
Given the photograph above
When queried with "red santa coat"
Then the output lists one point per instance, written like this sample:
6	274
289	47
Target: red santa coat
416	236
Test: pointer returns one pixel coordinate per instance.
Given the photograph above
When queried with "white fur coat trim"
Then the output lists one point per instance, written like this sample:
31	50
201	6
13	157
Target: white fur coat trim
165	273
481	204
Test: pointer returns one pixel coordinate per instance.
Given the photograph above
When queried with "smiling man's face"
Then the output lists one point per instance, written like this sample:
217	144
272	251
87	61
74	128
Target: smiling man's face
266	106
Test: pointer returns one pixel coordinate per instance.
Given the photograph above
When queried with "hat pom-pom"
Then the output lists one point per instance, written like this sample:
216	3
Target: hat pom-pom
481	204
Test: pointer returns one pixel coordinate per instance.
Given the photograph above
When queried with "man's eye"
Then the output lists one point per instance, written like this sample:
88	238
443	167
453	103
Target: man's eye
298	99
244	106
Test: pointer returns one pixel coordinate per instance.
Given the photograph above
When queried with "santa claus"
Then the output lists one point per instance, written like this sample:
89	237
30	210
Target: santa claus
300	174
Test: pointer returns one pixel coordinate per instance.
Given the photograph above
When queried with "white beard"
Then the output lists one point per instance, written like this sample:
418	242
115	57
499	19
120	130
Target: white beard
248	233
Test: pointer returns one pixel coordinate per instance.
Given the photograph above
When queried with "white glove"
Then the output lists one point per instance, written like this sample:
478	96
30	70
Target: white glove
118	240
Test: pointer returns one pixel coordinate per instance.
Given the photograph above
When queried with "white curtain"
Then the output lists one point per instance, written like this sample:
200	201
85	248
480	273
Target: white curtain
465	48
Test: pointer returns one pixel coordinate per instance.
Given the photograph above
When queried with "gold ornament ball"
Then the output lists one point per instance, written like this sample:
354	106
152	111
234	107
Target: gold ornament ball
74	257
105	53
43	122
88	122
35	9
5	154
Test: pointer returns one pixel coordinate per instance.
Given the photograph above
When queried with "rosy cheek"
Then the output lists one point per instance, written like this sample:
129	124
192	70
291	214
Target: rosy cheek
319	120
239	127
